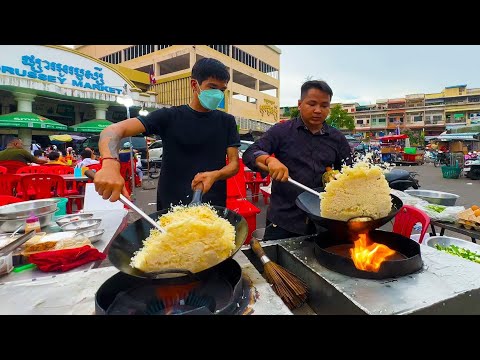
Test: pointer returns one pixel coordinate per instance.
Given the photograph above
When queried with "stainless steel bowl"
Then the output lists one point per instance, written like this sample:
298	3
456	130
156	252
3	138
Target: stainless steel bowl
13	224
435	197
447	241
22	210
80	225
72	217
92	235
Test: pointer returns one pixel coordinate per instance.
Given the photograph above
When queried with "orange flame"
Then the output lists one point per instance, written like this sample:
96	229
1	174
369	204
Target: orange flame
173	294
367	255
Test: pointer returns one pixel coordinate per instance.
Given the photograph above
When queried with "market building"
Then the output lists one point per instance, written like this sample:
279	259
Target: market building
66	86
253	93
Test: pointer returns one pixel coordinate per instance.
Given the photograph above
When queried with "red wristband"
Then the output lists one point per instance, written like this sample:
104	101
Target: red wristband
110	158
269	156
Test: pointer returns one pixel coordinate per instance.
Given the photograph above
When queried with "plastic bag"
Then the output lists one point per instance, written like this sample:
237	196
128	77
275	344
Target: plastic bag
435	212
408	199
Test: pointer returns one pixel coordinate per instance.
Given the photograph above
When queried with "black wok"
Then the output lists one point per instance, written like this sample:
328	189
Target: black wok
130	240
310	204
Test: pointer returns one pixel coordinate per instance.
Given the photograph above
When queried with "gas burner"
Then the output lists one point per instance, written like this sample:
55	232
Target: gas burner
192	304
221	290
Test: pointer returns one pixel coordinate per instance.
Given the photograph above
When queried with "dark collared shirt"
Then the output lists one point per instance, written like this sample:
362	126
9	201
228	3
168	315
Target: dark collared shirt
306	156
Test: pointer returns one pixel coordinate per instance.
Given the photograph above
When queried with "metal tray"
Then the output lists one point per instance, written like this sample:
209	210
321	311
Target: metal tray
24	209
435	197
447	241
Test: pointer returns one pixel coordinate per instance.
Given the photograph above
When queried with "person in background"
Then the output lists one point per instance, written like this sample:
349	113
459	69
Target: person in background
124	153
303	147
39	154
16	152
197	140
87	159
34	146
54	158
124	156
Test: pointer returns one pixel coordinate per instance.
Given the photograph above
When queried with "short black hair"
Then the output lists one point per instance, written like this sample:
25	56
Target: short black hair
86	154
37	153
209	67
315	84
54	155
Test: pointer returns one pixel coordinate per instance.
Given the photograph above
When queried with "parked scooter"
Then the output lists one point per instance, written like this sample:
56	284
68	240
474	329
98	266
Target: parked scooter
399	179
151	169
472	169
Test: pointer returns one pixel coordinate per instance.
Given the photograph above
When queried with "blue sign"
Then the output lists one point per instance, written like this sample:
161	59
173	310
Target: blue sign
37	68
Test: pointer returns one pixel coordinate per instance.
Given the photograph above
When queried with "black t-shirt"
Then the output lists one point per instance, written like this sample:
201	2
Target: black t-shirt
193	142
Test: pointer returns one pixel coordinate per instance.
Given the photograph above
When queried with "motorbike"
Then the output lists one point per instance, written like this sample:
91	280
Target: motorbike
400	179
472	169
441	159
151	168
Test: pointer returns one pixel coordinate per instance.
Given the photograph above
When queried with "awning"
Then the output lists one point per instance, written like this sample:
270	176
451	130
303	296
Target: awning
459	137
92	126
393	137
28	120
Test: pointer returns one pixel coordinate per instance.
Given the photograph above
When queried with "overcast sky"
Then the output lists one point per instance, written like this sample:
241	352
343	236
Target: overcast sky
365	73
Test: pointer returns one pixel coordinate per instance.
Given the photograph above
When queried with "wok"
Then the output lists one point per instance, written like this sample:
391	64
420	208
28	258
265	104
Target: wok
130	240
310	204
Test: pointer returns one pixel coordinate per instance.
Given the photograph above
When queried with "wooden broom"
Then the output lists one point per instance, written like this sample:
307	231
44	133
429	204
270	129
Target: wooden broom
291	289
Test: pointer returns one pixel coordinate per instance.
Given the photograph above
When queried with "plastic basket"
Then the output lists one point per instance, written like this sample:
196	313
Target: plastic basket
410	150
62	207
451	172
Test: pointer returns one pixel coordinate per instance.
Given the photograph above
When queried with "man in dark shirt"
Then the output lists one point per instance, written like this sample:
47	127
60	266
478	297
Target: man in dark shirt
303	148
196	138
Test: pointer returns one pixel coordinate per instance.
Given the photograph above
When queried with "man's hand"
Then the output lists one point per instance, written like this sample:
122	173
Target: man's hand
108	181
277	170
207	178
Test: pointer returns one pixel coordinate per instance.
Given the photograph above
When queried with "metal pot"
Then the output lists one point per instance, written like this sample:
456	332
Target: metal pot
13	224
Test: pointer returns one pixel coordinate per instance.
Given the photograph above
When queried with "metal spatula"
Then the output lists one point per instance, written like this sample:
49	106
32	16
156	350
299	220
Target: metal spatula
301	186
132	206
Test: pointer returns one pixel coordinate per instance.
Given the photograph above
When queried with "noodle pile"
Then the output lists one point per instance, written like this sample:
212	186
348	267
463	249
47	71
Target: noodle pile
196	238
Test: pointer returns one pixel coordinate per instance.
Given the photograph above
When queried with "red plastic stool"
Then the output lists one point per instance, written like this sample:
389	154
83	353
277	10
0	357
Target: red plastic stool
406	219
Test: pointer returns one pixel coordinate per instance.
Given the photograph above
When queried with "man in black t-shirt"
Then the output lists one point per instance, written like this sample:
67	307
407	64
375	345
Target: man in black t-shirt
196	138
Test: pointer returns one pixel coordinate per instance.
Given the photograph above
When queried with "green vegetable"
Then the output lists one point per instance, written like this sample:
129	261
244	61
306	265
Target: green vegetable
436	208
458	251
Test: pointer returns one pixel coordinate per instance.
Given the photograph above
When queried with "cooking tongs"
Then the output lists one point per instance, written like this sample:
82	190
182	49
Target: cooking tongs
16	243
125	201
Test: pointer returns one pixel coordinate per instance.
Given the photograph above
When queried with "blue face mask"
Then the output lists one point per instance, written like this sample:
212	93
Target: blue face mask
210	99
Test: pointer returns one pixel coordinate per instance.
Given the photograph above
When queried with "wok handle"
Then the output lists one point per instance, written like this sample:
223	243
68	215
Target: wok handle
197	194
258	250
301	186
125	201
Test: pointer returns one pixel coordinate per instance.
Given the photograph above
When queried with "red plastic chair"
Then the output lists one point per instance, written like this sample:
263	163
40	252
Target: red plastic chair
9	184
57	169
3	170
42	186
31	170
236	187
6	199
406	219
12	166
